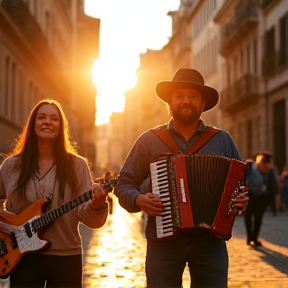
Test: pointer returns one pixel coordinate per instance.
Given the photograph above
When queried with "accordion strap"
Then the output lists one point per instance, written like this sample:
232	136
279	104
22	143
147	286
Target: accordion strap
170	142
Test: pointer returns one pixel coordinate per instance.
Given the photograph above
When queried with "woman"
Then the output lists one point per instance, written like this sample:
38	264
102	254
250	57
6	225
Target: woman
45	164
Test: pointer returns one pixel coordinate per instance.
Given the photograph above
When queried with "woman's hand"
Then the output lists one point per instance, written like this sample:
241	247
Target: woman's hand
150	203
99	197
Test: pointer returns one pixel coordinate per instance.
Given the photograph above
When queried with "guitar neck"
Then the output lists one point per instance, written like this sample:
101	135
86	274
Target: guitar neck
50	216
36	224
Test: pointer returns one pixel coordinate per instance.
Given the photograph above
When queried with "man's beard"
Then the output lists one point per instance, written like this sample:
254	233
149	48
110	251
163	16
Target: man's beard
187	118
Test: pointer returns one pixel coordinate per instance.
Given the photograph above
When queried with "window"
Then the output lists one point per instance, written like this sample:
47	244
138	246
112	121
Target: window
249	139
235	67
248	59
241	62
279	143
7	88
283	40
255	56
269	63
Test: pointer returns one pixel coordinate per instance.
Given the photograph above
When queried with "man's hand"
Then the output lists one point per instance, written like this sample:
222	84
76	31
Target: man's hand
241	201
150	203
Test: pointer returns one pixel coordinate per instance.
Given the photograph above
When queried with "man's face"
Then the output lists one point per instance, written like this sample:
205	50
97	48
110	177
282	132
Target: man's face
186	105
264	166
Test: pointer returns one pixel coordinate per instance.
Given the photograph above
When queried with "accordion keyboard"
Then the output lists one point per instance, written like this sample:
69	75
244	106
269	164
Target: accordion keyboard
160	187
196	191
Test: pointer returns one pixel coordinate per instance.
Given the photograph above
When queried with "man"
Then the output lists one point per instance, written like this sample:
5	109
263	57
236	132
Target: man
187	97
262	192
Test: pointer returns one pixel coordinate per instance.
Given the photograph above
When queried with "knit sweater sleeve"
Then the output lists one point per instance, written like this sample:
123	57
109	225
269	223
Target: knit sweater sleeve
88	216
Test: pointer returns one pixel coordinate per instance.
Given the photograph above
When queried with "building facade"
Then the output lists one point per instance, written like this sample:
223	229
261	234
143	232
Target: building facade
47	49
240	47
254	37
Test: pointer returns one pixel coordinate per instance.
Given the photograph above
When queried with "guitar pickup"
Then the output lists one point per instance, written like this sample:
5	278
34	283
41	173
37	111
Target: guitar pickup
3	248
14	241
28	230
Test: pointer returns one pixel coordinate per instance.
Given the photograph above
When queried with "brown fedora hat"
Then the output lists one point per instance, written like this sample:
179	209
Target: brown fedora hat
187	78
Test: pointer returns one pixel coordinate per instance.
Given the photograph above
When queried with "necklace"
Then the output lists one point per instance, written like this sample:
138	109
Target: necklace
46	181
45	173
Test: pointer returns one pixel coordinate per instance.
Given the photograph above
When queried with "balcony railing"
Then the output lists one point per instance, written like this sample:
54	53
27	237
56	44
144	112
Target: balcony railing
265	3
245	18
273	62
19	13
240	94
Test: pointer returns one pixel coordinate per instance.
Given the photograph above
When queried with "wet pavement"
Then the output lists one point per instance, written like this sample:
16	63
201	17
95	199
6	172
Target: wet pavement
114	255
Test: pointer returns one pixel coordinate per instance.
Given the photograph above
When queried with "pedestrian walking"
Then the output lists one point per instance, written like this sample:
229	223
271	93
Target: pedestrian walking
283	186
45	165
186	97
262	192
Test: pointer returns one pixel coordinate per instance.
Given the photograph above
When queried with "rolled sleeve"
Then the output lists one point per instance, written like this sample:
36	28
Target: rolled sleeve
134	171
87	215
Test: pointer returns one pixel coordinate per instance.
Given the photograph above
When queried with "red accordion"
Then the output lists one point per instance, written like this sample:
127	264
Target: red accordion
197	191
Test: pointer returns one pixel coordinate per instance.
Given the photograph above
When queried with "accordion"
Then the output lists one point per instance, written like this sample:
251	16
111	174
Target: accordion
196	191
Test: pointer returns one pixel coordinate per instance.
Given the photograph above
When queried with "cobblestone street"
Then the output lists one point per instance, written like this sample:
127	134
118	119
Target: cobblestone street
114	255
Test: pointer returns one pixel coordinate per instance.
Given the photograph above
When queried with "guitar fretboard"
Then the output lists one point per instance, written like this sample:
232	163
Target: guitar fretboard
61	210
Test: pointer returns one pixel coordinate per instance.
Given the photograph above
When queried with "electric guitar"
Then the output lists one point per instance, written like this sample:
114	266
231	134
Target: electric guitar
19	233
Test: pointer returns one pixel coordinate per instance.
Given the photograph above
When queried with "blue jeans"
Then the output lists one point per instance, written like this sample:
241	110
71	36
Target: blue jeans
207	259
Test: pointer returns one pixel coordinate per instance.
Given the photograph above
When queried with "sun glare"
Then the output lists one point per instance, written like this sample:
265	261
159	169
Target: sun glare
123	37
111	82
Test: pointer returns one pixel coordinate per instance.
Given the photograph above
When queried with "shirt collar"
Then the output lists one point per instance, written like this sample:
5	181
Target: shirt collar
200	127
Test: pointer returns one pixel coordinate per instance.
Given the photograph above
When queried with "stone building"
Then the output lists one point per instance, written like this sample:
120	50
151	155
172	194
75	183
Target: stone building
142	111
194	43
47	49
254	94
240	47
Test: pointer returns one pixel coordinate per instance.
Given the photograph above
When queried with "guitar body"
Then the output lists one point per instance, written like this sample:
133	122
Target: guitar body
18	233
14	242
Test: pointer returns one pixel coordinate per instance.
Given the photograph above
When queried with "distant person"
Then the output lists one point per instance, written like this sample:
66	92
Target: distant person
262	192
45	165
283	183
186	97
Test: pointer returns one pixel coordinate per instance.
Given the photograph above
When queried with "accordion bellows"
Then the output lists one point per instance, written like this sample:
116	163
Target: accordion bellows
197	191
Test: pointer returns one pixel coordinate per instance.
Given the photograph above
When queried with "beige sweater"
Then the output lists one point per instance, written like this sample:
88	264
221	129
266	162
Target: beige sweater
63	232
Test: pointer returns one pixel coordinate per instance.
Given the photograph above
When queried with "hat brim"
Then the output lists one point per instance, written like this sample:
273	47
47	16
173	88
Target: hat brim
164	90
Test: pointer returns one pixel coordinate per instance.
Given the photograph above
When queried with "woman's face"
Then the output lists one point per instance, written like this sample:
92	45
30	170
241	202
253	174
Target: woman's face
47	122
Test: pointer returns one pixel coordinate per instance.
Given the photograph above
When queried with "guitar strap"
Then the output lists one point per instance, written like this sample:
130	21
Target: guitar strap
166	137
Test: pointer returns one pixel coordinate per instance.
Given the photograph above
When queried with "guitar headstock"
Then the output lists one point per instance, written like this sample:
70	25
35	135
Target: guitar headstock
109	185
108	182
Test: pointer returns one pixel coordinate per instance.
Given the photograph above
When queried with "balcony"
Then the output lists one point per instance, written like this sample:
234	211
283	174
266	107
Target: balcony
274	62
265	3
19	13
34	43
240	94
243	21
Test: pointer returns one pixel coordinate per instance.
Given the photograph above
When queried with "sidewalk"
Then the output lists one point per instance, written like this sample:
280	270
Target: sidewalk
114	255
265	266
260	267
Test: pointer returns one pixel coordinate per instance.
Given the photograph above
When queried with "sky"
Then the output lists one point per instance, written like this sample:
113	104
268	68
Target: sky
127	29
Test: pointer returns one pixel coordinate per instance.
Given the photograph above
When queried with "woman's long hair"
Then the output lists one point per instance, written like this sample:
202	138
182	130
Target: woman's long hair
64	151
